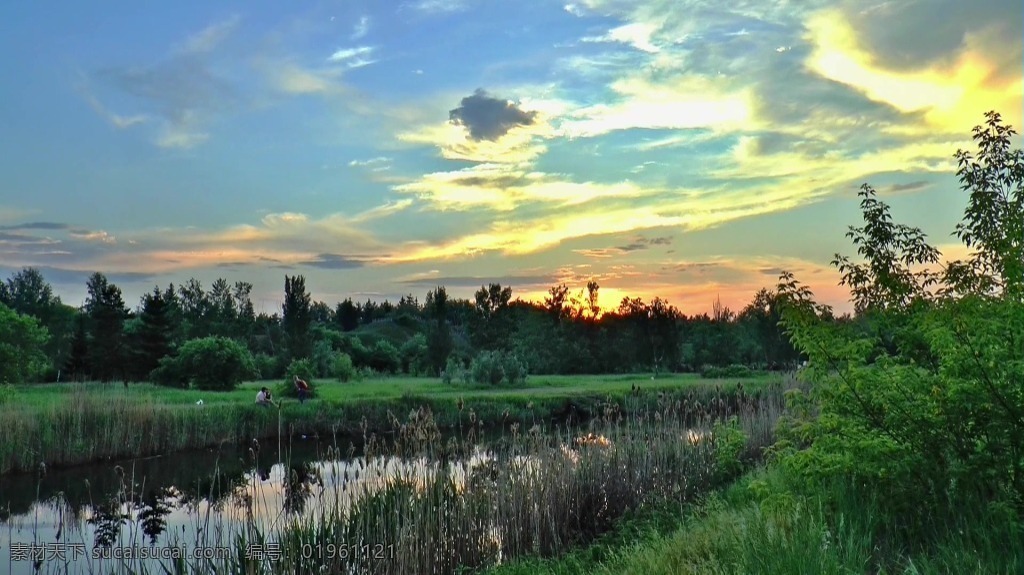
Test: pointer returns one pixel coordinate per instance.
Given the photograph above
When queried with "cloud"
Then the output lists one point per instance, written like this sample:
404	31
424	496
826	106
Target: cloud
907	188
637	34
638	243
353	57
685	102
93	236
429	280
183	90
505	187
488	118
334	262
293	79
210	37
362	28
951	89
440	6
36	226
377	164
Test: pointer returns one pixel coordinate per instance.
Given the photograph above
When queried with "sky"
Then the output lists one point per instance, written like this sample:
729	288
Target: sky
686	149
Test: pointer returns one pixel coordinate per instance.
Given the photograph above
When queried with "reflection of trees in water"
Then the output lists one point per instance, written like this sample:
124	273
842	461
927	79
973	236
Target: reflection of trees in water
298	486
107	519
153	511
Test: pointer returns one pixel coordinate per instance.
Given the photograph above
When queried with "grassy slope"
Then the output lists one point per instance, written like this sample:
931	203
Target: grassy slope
760	525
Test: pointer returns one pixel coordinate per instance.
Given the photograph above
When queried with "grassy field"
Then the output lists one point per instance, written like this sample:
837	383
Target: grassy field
70	423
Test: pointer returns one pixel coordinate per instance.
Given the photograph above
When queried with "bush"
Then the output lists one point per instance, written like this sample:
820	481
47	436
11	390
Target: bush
267	366
344	369
735	370
210	363
8	394
384	357
305	369
453	369
496	367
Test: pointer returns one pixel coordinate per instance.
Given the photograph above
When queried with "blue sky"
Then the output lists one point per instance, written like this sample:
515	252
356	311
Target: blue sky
673	148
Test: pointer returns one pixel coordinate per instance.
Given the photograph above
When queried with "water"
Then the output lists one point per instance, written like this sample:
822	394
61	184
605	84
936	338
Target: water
98	518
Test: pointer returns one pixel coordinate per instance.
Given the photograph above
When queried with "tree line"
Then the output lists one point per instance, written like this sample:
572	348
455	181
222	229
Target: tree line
44	339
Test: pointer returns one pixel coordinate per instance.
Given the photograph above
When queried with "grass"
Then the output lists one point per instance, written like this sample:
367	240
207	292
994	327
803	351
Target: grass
71	423
763	524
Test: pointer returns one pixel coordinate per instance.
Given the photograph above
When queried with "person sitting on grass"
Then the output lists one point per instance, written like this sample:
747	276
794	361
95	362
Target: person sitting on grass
264	398
301	387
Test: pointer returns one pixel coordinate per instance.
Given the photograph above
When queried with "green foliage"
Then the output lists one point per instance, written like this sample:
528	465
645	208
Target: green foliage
922	398
267	366
384	357
730	371
454	369
303	368
210	363
343	369
8	394
496	367
414	355
22	342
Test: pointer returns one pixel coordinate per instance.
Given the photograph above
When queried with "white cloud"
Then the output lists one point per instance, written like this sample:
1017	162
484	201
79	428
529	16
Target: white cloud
347	54
362	28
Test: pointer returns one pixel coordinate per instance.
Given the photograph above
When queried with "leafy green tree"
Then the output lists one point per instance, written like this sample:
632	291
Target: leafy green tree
195	309
106	311
28	293
22	342
993	223
296	317
939	416
211	363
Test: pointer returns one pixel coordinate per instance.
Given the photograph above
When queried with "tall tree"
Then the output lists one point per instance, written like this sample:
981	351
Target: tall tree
347	315
439	334
492	326
105	308
154	334
296	317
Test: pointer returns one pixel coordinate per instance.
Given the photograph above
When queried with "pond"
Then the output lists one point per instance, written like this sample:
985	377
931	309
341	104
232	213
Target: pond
416	502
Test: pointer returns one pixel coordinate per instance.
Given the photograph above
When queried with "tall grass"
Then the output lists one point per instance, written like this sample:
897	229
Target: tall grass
417	501
73	424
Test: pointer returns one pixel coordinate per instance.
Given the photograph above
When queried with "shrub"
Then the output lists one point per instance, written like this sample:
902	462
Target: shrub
210	363
305	369
486	368
267	366
453	369
8	393
496	367
344	369
735	370
384	357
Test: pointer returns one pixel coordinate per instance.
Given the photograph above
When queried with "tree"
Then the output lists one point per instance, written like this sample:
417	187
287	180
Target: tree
993	223
491	328
439	334
154	333
106	311
347	315
195	309
938	419
21	347
212	363
886	280
296	317
28	293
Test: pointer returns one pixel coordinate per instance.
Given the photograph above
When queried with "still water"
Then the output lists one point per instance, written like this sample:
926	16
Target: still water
118	515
